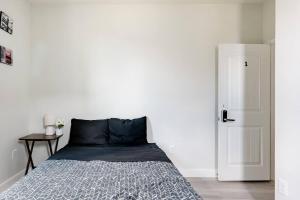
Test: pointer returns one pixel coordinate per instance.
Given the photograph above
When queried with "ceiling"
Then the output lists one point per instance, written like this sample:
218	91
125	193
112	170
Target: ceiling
148	1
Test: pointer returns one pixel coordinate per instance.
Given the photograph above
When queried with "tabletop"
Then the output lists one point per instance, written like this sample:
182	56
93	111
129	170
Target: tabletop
40	137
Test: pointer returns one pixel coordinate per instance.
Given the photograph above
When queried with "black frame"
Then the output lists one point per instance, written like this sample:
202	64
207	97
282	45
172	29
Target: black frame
6	23
4	60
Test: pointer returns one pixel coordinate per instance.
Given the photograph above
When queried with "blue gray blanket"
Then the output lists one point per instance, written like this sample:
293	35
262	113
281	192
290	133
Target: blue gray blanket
93	180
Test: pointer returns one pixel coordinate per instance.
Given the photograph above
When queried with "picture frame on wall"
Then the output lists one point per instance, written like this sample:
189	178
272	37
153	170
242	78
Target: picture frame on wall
6	56
6	23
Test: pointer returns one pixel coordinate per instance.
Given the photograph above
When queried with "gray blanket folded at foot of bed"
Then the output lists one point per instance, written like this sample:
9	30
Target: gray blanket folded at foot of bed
70	179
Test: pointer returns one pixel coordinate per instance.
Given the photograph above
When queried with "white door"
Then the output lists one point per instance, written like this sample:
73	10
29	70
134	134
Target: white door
244	96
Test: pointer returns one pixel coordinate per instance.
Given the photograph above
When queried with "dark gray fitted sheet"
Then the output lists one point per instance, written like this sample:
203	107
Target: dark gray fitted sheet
112	153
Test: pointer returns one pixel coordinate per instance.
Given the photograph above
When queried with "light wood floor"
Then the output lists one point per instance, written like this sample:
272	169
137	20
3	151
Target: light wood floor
211	189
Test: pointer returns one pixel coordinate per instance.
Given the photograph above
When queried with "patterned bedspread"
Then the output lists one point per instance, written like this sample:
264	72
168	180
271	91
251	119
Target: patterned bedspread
81	180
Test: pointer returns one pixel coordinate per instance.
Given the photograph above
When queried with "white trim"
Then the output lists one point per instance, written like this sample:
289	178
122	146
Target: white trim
151	1
203	173
10	181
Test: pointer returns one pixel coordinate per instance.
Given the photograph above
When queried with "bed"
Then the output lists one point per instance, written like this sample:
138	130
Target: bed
104	171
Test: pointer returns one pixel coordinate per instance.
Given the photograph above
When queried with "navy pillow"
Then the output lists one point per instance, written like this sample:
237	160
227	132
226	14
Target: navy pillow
125	131
89	132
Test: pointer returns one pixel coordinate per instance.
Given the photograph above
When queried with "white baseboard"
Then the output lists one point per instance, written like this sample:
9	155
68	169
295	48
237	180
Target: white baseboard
203	173
10	181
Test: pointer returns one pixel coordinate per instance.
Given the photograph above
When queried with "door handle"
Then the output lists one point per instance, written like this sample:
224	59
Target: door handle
225	115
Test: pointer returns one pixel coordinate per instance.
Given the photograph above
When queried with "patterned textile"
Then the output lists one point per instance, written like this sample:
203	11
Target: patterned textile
70	179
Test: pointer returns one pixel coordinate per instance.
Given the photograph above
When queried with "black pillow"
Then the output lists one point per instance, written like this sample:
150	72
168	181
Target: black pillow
89	132
125	131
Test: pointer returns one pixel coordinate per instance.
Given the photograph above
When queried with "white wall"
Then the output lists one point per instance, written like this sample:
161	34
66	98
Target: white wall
14	89
287	97
128	60
268	21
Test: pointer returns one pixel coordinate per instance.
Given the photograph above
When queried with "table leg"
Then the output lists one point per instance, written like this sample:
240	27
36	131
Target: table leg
56	145
50	147
27	167
30	161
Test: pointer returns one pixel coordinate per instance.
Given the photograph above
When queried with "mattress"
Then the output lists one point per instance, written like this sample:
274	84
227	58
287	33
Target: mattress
106	172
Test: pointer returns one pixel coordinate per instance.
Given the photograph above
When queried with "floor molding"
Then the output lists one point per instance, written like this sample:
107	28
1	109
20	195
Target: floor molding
203	173
10	181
